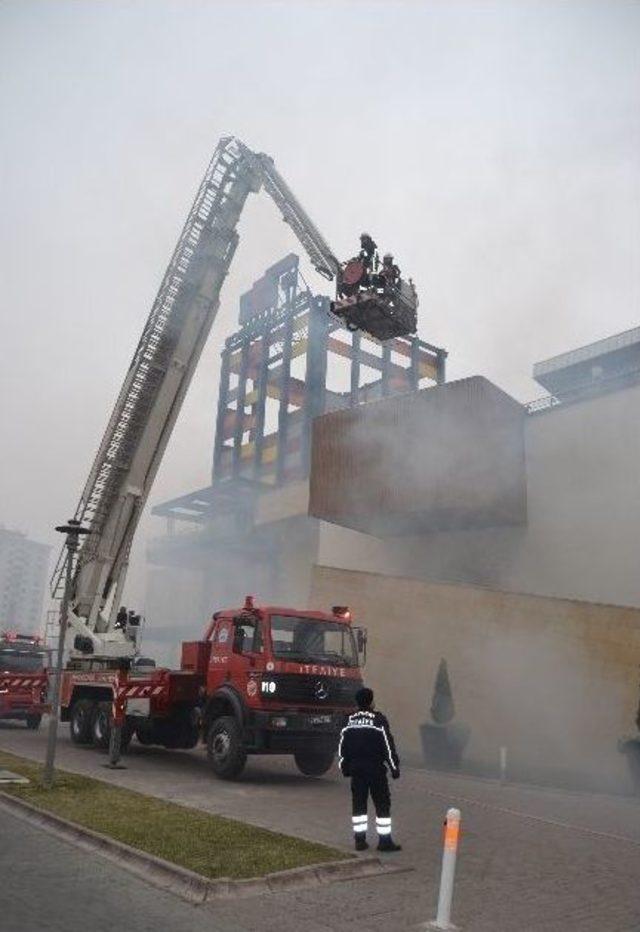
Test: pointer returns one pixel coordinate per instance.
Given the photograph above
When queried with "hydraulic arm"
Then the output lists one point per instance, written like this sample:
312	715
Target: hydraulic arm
294	214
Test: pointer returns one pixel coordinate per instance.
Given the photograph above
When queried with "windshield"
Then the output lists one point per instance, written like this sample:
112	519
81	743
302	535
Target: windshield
13	660
311	641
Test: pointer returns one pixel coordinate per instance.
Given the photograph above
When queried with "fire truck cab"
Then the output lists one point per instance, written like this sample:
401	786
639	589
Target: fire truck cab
279	681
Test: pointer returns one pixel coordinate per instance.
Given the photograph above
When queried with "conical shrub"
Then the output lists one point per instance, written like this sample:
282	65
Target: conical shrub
442	707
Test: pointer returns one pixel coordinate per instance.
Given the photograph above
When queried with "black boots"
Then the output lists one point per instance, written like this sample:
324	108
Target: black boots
386	843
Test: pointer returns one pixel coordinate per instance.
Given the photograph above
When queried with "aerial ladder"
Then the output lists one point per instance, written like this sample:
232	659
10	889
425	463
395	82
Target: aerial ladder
160	373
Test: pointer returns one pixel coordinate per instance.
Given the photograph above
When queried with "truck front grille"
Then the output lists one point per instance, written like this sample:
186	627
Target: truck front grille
311	689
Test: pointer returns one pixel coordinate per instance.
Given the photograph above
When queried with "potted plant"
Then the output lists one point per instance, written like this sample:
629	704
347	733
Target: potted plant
443	740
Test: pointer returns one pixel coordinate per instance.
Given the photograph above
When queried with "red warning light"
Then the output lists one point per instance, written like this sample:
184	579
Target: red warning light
342	611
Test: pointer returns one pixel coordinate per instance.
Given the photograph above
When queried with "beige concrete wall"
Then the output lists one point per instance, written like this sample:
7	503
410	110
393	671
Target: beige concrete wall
295	549
583	489
283	502
555	681
352	550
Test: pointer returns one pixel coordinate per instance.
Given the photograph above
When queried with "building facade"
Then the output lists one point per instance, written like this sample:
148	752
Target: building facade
23	575
455	482
579	537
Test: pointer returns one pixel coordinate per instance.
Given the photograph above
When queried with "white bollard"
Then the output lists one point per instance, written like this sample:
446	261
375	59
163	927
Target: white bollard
451	836
503	765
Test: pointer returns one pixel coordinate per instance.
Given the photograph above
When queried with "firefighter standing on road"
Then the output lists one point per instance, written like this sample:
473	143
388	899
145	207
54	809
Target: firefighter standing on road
366	750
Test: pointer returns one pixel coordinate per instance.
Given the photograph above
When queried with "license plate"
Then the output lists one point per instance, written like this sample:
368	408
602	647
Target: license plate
320	719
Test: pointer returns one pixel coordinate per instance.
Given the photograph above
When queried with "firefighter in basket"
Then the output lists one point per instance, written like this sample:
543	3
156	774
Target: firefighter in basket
367	251
366	749
389	276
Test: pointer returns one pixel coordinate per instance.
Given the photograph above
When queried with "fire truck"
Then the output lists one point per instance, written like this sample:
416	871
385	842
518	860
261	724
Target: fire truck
262	679
22	661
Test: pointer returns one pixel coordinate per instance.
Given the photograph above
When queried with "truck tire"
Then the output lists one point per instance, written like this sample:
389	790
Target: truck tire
313	763
101	729
101	726
225	748
144	734
81	719
33	722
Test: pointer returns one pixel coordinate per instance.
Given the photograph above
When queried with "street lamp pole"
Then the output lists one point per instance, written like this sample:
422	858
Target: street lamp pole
73	530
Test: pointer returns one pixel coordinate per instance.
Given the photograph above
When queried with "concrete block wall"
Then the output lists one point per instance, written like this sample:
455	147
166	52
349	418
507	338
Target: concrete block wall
555	681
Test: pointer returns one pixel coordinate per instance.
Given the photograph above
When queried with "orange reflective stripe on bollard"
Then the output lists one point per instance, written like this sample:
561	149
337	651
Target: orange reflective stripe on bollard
451	834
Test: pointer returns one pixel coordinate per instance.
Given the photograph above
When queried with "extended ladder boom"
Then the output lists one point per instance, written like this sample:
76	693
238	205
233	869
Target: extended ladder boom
158	378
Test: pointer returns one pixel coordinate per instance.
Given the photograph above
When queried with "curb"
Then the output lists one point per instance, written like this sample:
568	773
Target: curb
180	880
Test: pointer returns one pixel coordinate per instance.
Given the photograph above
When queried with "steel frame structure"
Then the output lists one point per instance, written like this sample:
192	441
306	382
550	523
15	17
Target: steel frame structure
282	323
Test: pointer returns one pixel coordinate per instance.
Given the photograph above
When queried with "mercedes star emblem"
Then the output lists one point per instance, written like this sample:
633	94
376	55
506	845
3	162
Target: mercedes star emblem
321	690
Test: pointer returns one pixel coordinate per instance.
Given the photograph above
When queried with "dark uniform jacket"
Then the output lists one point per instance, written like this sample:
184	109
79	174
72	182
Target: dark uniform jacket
367	745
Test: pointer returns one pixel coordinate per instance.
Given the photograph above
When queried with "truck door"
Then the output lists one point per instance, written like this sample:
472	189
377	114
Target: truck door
247	646
237	644
220	660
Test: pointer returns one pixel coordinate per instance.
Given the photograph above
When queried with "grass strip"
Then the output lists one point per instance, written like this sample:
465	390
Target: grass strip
211	845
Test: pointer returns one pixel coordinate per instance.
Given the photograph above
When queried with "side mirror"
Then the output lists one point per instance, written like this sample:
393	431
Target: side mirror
361	640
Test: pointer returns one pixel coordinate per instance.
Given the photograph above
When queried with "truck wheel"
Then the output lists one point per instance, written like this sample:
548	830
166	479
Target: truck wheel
81	718
33	722
144	735
313	763
225	748
101	726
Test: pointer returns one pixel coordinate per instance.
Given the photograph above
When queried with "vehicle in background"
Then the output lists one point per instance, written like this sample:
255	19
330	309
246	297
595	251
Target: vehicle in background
22	691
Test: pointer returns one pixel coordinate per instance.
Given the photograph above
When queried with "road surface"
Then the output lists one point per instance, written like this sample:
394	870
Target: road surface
530	859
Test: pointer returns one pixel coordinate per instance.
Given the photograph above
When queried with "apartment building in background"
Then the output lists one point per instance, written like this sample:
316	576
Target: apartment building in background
24	565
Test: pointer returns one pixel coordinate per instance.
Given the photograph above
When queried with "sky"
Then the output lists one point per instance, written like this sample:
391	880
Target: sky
492	146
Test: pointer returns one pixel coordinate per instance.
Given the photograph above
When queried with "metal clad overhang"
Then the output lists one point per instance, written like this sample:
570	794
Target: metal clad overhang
589	353
586	366
444	458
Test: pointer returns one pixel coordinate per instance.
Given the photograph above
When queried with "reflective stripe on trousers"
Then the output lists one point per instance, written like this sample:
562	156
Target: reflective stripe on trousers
360	823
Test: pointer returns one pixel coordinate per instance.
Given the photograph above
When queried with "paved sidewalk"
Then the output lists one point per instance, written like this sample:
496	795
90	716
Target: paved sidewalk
531	859
56	887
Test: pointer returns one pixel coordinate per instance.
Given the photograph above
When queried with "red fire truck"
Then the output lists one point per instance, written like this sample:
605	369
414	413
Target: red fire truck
22	680
263	680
